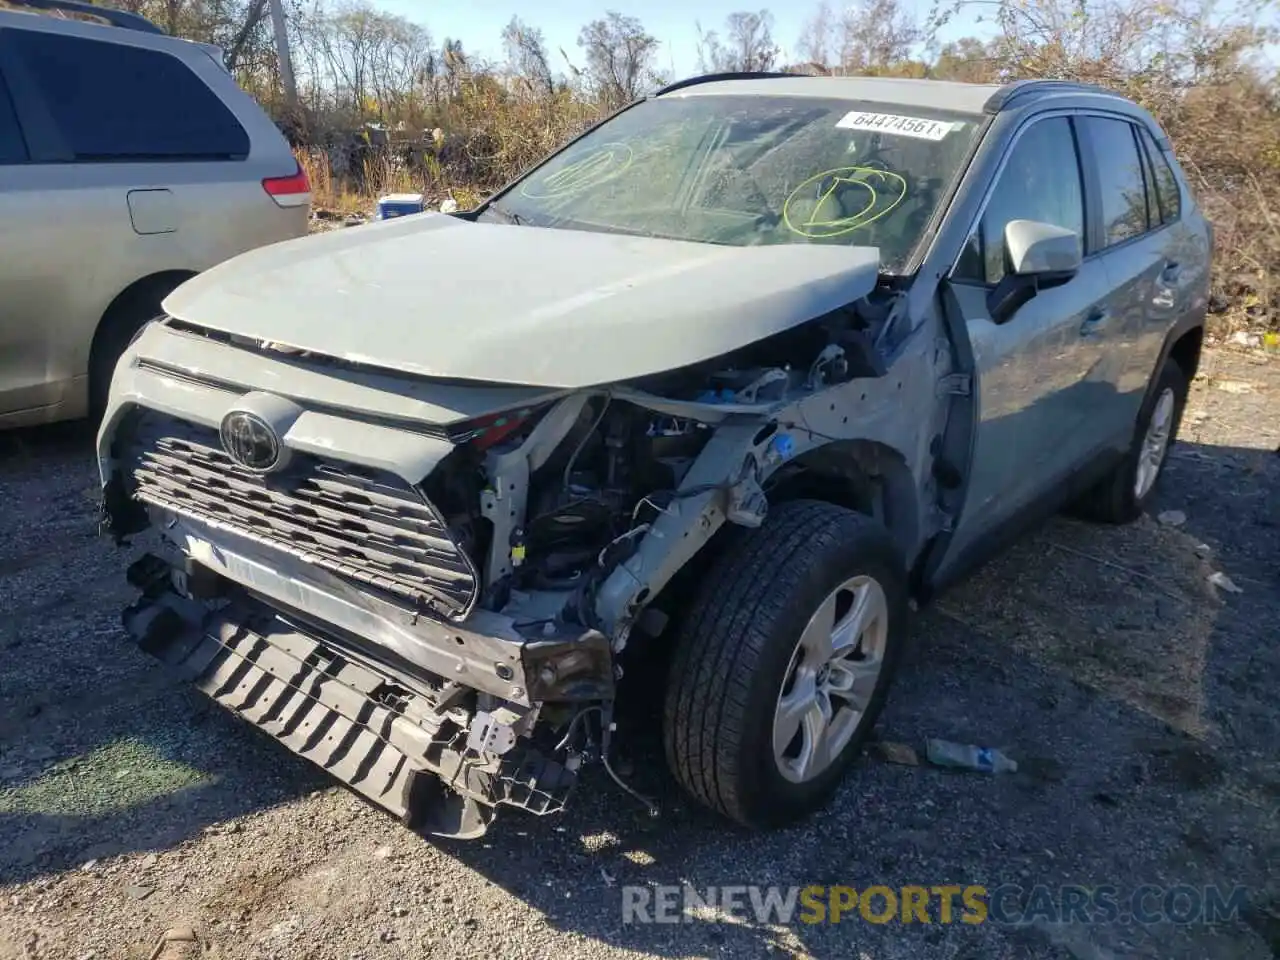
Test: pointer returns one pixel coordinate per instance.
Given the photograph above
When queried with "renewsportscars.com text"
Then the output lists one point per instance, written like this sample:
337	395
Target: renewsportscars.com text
939	903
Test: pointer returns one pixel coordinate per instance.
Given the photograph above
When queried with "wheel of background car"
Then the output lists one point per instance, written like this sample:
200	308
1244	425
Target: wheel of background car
121	323
1124	493
783	662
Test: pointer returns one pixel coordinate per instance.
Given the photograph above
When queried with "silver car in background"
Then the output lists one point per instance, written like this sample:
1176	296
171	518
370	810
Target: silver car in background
129	161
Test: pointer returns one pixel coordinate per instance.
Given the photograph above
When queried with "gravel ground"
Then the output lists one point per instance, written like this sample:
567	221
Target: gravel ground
1139	700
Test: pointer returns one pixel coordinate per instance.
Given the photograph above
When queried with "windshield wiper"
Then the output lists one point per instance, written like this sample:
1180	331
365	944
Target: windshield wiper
507	215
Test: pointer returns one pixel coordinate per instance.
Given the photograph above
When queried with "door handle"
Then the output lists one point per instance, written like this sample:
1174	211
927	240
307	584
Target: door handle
1095	323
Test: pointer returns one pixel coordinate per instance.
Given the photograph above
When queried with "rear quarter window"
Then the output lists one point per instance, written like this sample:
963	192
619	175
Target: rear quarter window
116	103
1168	192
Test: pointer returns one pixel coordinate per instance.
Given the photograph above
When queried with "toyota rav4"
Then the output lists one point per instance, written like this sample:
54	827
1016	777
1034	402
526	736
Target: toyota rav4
724	386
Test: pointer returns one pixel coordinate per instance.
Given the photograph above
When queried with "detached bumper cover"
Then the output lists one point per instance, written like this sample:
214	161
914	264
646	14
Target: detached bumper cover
406	752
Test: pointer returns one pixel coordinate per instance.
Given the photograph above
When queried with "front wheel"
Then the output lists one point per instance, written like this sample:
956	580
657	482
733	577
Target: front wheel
783	662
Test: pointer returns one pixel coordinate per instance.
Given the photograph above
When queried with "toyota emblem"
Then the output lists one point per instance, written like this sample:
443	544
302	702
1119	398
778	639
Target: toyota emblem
250	441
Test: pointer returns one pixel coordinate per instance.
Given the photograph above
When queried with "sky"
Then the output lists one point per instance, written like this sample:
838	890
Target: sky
478	24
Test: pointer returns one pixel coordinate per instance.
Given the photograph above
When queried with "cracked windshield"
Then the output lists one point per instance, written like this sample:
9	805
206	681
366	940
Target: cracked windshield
754	170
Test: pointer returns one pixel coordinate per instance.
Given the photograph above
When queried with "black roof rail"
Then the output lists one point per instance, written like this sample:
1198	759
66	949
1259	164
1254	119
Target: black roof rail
1011	91
714	77
116	18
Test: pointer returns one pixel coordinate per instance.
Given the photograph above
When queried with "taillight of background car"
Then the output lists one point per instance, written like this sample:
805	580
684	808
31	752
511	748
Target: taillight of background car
291	191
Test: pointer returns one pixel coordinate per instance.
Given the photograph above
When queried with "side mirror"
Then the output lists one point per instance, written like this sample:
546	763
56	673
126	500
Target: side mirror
1038	256
1036	249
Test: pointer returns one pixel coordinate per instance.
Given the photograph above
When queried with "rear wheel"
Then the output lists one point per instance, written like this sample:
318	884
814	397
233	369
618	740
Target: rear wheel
1123	494
783	662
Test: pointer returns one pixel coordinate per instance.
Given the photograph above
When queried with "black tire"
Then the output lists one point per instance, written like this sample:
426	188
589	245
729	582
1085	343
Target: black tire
133	310
734	651
1114	499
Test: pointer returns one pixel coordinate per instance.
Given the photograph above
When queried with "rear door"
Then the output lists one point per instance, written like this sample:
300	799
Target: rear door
1033	371
1148	258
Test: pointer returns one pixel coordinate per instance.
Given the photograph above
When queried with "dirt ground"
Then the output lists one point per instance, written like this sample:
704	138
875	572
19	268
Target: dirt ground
1140	701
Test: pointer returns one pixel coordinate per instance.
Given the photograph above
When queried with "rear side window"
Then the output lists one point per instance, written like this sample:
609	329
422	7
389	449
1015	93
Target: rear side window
1124	192
1040	181
1168	192
115	103
1149	178
13	148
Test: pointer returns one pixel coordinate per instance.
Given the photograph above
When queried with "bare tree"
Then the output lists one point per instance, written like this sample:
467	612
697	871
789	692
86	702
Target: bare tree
877	34
747	46
868	36
526	50
454	62
816	38
619	56
237	26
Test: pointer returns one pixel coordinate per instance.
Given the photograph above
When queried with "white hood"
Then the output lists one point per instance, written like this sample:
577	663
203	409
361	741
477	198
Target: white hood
442	297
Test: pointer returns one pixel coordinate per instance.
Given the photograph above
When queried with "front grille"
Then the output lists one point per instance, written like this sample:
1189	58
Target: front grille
364	525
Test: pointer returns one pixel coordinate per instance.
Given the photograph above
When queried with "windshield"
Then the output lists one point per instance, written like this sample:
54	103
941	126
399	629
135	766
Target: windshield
743	170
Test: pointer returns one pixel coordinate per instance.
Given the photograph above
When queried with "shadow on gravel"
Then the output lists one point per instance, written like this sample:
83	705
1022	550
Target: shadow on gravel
101	752
1138	699
163	767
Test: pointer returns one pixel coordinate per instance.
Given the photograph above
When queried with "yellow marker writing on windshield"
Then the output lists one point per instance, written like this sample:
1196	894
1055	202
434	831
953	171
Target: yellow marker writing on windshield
597	167
817	225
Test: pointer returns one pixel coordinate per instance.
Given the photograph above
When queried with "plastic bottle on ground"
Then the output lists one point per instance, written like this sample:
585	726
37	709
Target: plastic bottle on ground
965	756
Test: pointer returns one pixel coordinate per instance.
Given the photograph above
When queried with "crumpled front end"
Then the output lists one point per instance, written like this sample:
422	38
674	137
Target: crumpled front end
329	600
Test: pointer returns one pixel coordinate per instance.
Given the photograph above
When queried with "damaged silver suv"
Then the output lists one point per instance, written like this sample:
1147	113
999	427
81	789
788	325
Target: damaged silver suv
721	388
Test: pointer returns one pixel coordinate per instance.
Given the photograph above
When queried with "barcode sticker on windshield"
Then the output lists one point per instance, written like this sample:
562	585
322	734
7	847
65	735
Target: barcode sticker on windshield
921	128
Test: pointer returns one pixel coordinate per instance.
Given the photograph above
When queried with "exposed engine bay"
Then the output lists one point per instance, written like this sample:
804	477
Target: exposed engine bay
588	503
621	464
463	628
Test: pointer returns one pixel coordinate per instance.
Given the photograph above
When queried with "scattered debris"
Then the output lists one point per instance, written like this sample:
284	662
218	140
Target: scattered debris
1159	585
382	853
388	936
448	205
138	891
963	756
1172	518
170	946
891	751
609	878
1203	551
1223	582
1235	386
89	865
399	911
150	860
1243	338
